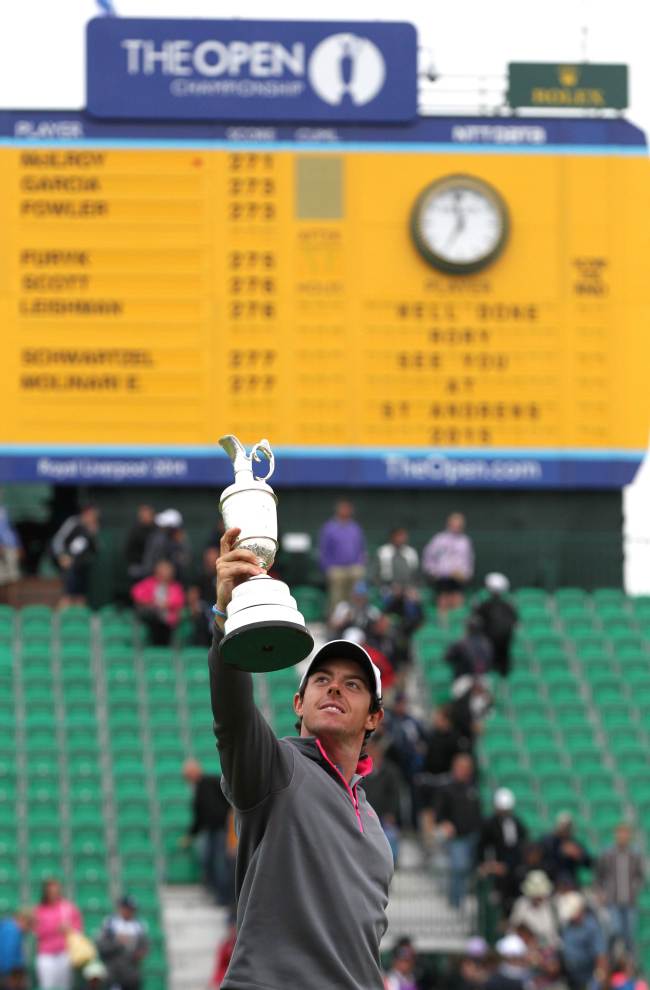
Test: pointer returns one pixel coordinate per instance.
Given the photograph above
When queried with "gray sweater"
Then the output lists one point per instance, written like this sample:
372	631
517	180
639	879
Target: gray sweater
313	864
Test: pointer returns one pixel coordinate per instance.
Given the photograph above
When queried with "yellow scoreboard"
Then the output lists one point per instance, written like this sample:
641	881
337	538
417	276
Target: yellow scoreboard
158	293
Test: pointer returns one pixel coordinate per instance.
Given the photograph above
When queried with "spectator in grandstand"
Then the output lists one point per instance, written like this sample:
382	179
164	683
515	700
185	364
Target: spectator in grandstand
404	607
563	855
499	618
473	969
201	596
472	699
383	789
401	975
225	950
512	972
311	913
443	743
159	601
10	551
168	541
13	967
620	876
209	830
500	849
583	943
123	943
448	563
545	962
355	635
407	742
94	975
472	655
459	820
383	635
396	566
53	918
74	548
342	553
536	910
624	974
355	610
136	541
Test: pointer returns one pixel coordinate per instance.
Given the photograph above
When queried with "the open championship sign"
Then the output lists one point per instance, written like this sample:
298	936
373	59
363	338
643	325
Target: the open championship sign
251	70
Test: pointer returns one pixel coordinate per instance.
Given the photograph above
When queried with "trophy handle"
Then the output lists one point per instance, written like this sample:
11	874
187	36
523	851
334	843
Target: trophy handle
236	452
262	451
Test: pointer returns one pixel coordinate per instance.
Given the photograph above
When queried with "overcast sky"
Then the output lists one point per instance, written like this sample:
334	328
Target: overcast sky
42	41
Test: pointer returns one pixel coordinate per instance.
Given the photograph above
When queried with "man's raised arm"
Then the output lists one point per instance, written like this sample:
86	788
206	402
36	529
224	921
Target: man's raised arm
252	761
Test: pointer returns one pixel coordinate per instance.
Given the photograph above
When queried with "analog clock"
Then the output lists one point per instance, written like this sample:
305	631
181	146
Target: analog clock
459	224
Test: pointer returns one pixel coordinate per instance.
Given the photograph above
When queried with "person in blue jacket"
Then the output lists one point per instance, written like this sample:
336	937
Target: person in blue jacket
13	969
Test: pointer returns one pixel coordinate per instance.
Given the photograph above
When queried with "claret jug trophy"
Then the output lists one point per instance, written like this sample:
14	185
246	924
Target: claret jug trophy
263	629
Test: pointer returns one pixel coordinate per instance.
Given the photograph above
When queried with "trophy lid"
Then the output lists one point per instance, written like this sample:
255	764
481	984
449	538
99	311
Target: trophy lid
243	462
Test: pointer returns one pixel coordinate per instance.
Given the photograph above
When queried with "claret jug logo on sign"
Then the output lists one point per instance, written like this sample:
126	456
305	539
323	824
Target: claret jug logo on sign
345	66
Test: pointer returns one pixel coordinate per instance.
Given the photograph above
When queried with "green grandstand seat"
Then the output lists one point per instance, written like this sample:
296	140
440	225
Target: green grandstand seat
630	759
528	594
571	595
115	654
578	628
75	651
533	613
585	761
606	689
78	693
8	842
556	787
42	613
523	693
564	693
598	786
608	596
640	698
88	841
578	736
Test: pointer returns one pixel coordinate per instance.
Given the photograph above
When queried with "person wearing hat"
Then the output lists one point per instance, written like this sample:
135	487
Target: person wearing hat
563	856
536	910
500	848
94	975
512	971
122	944
168	542
313	862
401	975
499	618
584	949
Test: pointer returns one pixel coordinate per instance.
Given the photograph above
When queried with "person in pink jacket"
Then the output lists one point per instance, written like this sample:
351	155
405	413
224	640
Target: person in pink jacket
159	600
54	917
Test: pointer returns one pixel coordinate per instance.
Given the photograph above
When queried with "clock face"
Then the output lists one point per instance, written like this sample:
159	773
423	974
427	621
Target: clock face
459	224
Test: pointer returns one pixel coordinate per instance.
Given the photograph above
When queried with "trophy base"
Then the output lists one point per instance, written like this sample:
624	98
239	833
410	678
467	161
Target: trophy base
269	645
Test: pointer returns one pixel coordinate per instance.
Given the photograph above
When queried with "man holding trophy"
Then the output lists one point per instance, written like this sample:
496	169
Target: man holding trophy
313	864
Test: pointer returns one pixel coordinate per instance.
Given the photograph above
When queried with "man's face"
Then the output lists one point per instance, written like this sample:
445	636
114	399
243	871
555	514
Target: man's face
456	523
623	836
146	515
126	912
344	510
336	702
463	769
400	537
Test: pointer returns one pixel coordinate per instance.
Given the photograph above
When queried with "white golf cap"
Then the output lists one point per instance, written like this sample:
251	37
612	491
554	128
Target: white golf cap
498	583
344	649
504	799
511	946
169	519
